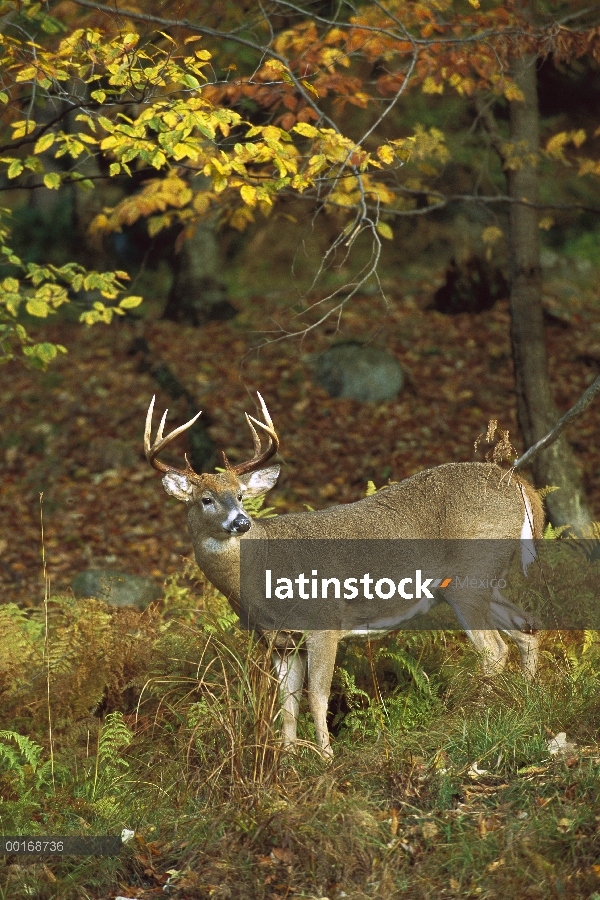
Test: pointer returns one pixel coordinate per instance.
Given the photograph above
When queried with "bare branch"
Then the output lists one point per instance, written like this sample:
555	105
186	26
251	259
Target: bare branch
38	132
574	413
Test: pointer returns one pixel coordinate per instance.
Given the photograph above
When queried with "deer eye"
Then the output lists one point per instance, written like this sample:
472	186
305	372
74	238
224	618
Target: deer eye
207	501
239	496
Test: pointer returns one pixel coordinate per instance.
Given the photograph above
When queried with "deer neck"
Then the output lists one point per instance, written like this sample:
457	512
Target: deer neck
219	558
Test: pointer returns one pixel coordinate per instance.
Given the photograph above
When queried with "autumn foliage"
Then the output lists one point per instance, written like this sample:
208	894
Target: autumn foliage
226	110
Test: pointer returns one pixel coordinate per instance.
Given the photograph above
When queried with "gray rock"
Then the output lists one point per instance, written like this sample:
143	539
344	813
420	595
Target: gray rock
116	588
354	371
110	453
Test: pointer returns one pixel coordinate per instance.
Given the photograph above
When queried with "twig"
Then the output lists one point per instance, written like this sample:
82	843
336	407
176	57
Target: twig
575	411
46	639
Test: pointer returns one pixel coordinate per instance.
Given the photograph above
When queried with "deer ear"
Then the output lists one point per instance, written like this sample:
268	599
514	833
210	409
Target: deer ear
178	486
256	483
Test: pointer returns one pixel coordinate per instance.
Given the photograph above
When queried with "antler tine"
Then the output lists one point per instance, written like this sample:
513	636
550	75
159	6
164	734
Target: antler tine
159	433
259	458
153	449
264	410
255	437
148	427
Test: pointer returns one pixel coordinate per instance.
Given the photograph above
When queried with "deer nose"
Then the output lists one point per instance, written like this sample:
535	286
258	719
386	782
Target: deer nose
240	525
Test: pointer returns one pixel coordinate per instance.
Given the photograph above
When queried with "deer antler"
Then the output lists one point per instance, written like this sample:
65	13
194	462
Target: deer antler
152	450
259	457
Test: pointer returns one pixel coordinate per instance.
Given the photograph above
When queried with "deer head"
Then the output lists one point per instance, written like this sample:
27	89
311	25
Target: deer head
217	498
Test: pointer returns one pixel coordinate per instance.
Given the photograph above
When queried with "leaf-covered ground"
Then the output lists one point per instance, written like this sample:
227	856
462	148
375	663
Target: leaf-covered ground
107	512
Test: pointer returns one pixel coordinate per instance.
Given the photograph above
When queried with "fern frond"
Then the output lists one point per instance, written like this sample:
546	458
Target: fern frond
28	752
404	662
551	533
114	736
256	508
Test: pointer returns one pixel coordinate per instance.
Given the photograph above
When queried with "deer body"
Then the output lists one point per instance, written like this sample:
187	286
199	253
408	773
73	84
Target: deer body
450	502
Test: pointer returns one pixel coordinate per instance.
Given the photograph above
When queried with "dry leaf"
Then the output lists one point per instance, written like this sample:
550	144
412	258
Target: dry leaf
283	855
429	830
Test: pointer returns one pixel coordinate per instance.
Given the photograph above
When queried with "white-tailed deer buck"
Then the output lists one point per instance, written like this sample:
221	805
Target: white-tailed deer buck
450	502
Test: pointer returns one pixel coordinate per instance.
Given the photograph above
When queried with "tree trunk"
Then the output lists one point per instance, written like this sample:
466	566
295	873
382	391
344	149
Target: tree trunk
536	409
198	294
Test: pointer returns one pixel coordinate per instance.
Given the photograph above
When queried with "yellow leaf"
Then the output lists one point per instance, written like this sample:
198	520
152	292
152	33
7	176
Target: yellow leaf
586	166
309	87
275	65
158	160
52	180
305	129
512	92
100	96
385	231
475	4
26	74
546	223
386	154
579	137
15	168
37	308
156	224
201	202
491	234
430	86
100	223
130	302
44	143
22	128
115	168
271	133
248	194
557	142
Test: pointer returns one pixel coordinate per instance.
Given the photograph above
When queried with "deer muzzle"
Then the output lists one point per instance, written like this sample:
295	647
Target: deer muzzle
240	525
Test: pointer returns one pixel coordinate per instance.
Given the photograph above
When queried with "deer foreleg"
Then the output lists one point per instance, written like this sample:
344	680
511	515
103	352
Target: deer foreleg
322	647
492	648
474	615
290	667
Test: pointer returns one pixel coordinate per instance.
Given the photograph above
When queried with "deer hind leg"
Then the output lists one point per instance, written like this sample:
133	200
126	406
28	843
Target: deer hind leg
322	647
528	644
522	627
290	668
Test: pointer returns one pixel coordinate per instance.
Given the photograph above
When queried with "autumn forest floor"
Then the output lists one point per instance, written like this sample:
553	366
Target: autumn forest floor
112	513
